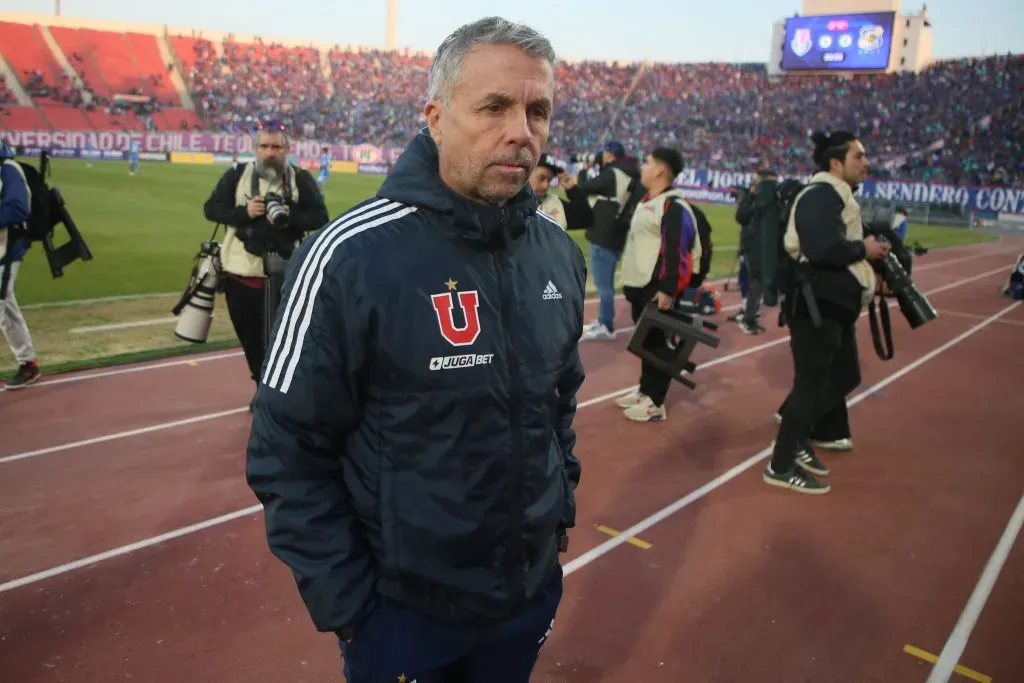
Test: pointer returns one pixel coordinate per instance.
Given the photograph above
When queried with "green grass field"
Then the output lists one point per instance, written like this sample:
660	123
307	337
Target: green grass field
144	231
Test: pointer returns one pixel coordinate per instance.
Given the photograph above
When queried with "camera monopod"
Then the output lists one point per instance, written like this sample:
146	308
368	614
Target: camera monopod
274	266
666	339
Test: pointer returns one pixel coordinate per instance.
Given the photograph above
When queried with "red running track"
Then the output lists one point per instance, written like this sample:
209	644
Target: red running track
742	582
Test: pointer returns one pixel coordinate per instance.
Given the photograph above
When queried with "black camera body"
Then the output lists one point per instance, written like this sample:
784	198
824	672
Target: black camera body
277	214
586	158
895	268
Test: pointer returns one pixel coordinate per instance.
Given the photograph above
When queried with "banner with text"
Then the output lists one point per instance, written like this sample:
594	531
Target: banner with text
706	185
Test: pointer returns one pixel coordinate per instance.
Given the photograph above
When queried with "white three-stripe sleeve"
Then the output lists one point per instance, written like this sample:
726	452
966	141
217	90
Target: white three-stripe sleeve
287	345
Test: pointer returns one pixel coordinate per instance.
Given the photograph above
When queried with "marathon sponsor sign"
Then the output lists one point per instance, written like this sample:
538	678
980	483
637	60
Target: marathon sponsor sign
377	169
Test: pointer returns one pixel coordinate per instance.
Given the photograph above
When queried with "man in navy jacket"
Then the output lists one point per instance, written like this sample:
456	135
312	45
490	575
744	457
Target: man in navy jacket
412	440
15	209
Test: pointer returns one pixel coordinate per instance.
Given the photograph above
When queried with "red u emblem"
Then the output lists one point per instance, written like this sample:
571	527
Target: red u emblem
470	304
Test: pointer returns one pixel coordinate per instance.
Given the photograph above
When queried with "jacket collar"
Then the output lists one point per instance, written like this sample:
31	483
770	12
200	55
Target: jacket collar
416	181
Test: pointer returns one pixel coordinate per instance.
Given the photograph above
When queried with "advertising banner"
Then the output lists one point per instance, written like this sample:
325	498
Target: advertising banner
708	185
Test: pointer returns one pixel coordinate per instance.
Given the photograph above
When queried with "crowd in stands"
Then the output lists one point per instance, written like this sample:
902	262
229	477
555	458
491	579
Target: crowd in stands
958	121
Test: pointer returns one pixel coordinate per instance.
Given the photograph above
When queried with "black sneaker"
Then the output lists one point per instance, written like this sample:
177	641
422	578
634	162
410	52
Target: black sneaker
27	374
807	460
751	327
795	479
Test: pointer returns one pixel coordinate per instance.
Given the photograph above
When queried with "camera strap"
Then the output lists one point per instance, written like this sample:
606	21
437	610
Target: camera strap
886	352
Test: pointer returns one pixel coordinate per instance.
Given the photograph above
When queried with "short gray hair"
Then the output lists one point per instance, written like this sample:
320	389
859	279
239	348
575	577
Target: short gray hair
447	64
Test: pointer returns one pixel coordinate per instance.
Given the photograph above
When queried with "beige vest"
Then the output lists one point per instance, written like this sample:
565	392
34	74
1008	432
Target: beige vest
622	181
234	258
552	207
854	231
643	243
28	194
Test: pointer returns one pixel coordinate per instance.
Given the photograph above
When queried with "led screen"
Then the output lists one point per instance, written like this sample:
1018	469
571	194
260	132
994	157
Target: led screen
842	42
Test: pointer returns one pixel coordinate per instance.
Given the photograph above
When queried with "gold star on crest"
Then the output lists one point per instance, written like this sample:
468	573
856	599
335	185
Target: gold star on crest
403	678
451	287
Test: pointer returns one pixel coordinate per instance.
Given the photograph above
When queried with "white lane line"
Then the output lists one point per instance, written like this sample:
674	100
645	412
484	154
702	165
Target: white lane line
576	564
125	549
210	416
121	435
975	316
957	641
122	326
189	360
695	495
95	300
184	360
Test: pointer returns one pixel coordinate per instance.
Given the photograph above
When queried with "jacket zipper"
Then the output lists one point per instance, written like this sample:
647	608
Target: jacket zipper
517	567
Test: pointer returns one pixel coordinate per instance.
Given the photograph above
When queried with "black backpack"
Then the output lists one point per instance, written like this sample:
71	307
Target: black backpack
785	265
707	246
42	219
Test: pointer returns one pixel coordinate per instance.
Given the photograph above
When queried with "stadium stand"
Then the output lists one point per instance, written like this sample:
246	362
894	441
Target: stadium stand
958	121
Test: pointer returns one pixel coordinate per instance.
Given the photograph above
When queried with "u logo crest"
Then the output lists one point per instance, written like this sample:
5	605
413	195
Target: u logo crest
444	304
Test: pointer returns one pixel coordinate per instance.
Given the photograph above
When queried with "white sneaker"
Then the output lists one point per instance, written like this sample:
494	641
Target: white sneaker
646	411
598	331
630	400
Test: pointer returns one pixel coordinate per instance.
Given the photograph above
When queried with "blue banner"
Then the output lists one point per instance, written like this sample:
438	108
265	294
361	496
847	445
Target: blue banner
712	187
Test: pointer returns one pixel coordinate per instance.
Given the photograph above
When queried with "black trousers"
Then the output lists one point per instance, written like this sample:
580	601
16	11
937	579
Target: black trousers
245	307
653	382
827	369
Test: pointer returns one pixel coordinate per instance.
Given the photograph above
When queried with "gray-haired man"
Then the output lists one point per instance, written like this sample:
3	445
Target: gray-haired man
412	439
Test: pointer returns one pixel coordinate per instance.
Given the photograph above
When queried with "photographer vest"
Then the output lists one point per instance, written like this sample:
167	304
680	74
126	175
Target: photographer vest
622	181
643	244
234	258
552	207
861	270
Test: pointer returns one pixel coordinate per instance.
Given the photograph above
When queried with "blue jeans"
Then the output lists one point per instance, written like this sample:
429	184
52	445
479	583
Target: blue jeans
396	644
602	265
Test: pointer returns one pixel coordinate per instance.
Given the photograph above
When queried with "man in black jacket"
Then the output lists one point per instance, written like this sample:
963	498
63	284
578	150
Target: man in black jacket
606	194
238	203
825	238
412	440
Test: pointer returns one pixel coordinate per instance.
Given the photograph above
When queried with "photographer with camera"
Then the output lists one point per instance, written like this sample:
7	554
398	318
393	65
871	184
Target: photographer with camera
15	209
828	284
266	206
607	194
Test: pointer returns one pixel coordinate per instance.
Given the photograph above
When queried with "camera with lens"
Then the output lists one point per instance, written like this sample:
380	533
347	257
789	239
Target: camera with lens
585	158
277	213
894	270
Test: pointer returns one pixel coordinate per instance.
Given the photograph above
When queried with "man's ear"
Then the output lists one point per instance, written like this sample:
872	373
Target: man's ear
432	113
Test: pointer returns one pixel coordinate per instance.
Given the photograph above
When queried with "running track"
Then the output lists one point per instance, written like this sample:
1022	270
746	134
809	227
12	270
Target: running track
131	548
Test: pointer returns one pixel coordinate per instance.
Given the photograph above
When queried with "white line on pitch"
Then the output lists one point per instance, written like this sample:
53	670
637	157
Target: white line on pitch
957	641
210	416
695	495
122	326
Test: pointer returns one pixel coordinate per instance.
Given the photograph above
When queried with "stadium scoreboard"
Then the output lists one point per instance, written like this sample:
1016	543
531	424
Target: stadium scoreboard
838	42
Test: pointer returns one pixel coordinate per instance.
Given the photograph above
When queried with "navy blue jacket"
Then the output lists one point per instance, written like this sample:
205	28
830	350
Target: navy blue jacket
412	431
15	207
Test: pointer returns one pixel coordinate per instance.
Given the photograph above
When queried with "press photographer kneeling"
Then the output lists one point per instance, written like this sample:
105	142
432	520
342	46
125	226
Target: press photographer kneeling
828	283
267	206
